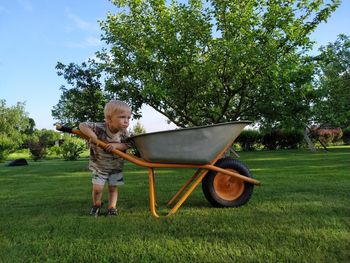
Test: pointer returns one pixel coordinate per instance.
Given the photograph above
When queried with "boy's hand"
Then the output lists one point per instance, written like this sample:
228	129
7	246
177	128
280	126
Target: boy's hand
119	146
110	147
93	139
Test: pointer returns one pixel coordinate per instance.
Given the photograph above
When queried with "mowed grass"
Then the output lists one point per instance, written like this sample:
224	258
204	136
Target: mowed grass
300	213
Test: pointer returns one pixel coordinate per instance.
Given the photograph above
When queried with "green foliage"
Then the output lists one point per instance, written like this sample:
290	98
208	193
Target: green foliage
346	136
332	107
31	127
292	139
208	62
39	142
72	147
138	129
203	62
38	149
49	137
272	139
282	139
6	146
249	139
55	150
86	100
14	122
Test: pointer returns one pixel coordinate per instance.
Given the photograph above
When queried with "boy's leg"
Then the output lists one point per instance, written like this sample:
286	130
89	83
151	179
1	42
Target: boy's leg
97	194
113	196
114	180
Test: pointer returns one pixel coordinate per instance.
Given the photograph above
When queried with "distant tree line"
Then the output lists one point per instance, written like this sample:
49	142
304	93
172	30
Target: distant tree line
250	139
18	132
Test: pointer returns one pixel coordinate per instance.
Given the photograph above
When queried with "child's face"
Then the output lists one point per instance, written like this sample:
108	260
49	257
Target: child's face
119	121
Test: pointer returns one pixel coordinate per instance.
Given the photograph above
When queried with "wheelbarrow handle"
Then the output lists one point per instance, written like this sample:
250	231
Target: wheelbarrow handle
67	129
61	128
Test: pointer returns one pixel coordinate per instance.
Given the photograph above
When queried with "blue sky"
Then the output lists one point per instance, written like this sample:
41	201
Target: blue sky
35	34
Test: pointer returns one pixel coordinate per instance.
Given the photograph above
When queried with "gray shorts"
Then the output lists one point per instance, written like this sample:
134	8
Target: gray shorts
113	179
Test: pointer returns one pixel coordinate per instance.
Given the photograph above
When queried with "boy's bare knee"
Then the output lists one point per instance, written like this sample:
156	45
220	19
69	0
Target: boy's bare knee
97	189
112	188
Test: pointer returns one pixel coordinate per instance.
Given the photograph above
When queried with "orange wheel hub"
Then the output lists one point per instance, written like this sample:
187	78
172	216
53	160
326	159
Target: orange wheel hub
227	187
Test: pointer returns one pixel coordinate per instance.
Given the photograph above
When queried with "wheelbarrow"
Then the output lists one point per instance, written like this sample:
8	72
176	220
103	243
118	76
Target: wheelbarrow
226	182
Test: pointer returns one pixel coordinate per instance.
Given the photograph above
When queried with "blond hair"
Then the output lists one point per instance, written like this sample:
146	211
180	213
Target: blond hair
115	106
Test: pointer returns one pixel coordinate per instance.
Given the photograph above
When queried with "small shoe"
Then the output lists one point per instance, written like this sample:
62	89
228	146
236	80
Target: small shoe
112	212
96	210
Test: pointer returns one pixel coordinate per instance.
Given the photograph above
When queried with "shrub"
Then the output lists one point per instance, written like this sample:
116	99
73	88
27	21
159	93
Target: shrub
338	134
6	146
249	139
72	147
55	150
48	137
327	135
138	129
37	149
13	123
40	141
291	139
346	136
271	139
282	139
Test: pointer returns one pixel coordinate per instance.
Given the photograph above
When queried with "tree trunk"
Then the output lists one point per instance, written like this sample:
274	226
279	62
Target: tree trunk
308	140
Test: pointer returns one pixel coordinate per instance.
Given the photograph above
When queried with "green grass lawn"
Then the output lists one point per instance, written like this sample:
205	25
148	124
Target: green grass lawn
300	213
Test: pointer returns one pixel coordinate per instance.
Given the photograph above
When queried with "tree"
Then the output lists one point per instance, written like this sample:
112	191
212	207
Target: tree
332	107
206	63
14	122
40	141
86	100
138	129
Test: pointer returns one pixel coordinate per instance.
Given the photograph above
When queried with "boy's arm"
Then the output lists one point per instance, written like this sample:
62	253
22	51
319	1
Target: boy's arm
117	145
84	128
121	146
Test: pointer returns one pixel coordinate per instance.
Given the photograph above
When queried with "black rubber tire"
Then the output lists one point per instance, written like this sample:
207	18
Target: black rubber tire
209	190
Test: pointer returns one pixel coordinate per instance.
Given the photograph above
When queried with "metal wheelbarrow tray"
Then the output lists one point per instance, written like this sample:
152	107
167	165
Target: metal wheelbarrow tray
198	145
226	182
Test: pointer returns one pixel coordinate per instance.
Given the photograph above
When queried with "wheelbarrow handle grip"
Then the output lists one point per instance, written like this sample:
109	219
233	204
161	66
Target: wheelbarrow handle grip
59	127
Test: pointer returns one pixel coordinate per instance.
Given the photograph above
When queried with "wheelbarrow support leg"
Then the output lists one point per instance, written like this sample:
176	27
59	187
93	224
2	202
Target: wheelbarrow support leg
188	192
182	189
152	193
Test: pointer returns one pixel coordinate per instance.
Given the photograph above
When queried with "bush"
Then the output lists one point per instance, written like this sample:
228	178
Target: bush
48	137
37	149
282	139
6	146
40	141
327	135
291	139
138	129
338	134
249	139
346	136
72	147
13	123
55	150
271	139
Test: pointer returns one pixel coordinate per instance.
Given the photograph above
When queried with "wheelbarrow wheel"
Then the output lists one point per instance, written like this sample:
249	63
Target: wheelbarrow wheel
222	190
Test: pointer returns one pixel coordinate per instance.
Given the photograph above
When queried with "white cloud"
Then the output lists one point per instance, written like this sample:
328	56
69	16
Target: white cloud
81	23
87	42
88	32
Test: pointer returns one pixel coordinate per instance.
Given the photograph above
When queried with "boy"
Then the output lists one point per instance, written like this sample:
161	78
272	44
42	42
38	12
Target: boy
106	166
